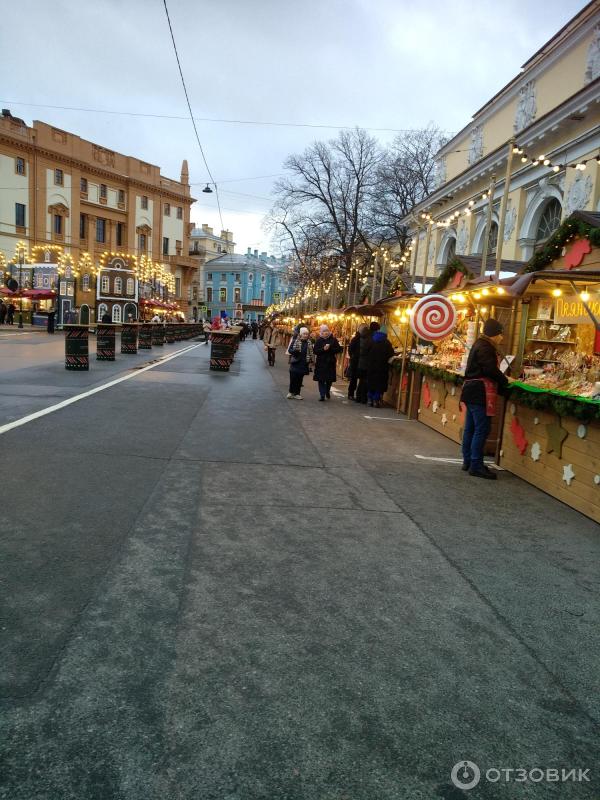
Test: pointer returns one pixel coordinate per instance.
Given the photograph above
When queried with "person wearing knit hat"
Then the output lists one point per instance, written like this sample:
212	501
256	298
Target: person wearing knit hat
483	382
301	355
326	349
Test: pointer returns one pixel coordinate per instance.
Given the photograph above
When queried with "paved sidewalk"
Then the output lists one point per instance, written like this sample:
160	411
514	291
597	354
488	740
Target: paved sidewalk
213	592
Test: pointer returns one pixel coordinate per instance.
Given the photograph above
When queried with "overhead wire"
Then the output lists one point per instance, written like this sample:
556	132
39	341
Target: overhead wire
192	114
212	119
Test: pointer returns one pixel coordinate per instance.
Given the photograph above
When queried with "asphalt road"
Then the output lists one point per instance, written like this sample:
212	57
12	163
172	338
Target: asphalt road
209	591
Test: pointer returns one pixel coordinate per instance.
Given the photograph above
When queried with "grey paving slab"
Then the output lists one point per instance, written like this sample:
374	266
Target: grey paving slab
254	598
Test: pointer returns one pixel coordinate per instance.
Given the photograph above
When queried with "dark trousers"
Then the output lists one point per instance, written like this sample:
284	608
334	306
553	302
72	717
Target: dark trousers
352	385
477	429
271	356
324	388
296	379
362	388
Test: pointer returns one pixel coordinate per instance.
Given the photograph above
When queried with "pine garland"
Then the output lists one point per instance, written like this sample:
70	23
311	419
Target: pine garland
446	275
569	229
437	372
583	410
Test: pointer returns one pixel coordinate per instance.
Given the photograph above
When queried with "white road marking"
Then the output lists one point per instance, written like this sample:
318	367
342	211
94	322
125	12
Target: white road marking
6	335
389	419
456	461
37	414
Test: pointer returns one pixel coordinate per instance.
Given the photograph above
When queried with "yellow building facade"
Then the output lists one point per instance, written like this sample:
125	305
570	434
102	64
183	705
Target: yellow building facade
546	122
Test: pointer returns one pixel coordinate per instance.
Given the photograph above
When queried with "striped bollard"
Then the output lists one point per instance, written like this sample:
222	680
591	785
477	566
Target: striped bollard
77	347
158	334
170	333
129	338
105	342
145	337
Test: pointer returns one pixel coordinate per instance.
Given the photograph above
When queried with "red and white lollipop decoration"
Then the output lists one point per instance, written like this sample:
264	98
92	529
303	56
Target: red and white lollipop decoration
433	317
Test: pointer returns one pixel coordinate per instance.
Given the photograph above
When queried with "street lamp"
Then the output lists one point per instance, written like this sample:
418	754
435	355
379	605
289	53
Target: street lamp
21	264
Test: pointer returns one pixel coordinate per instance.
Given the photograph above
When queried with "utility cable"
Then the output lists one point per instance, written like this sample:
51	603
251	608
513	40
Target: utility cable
192	115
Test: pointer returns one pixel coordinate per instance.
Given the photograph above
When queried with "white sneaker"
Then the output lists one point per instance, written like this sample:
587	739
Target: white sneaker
298	397
290	396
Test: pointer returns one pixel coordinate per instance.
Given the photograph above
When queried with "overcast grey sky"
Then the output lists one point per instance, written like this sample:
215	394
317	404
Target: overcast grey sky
374	63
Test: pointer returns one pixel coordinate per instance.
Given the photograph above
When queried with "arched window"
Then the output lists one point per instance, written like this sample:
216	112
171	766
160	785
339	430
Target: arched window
105	284
130	286
493	240
118	285
116	313
85	283
102	309
549	221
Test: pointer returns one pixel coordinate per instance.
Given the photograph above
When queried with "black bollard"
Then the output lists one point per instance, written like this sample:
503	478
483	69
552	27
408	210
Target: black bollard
145	337
129	338
105	342
76	347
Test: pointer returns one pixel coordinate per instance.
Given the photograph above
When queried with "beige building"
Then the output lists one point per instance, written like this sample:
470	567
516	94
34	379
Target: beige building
547	122
62	190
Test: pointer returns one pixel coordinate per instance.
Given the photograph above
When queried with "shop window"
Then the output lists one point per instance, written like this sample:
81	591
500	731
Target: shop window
20	215
58	177
130	286
223	295
105	284
549	221
20	166
144	202
118	285
179	212
85	283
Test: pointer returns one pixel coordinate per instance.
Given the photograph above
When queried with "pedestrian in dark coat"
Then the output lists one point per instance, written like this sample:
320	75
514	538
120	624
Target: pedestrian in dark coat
301	359
354	353
378	368
363	353
326	349
483	382
2	312
254	327
10	314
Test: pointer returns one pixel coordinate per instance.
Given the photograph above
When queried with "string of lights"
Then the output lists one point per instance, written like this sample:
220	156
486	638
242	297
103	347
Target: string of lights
542	159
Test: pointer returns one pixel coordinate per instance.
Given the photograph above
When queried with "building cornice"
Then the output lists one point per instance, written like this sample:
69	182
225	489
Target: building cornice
577	103
508	93
84	166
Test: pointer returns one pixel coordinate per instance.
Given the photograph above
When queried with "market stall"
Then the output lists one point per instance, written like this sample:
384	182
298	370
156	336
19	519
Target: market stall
551	432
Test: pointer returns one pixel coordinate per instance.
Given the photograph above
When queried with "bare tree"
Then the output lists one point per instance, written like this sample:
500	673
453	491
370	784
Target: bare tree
321	209
406	176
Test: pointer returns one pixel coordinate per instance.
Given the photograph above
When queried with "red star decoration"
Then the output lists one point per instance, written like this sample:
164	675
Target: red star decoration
426	395
575	255
518	434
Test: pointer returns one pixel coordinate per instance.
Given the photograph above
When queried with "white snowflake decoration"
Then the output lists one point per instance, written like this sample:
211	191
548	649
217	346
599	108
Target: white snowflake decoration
568	474
444	419
536	451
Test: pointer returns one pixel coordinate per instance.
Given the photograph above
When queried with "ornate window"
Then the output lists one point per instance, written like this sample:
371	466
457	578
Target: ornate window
223	295
118	285
116	313
549	221
85	283
102	309
493	241
105	284
130	286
